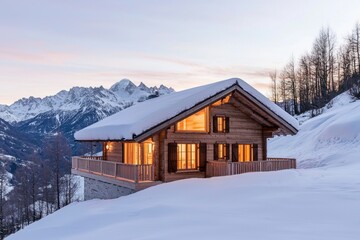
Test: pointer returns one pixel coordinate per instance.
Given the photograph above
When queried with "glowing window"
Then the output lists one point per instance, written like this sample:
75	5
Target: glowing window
197	122
222	101
245	153
131	153
148	152
187	156
221	151
221	124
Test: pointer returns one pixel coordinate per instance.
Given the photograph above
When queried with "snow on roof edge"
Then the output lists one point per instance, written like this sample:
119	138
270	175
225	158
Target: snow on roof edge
270	105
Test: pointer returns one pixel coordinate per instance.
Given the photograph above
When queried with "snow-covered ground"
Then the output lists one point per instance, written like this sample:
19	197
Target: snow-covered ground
330	139
321	200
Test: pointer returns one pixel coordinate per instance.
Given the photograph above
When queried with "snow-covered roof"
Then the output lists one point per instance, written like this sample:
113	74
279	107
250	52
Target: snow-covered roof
136	120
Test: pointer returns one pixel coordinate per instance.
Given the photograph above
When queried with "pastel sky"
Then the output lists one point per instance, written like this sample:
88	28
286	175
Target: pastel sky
48	46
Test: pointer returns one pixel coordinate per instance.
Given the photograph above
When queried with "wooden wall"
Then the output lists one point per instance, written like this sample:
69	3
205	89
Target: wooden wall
243	129
114	153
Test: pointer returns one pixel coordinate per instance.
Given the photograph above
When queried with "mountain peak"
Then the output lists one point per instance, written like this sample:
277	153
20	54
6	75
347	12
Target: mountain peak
123	93
124	84
142	86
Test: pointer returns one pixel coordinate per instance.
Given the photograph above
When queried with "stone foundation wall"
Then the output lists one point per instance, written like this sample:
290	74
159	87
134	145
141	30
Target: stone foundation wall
102	190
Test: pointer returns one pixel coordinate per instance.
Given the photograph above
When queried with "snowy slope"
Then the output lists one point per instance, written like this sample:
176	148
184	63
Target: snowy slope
319	203
14	142
293	204
330	139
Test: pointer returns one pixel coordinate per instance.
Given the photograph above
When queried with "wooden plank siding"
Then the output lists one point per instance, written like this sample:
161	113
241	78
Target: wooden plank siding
243	130
114	153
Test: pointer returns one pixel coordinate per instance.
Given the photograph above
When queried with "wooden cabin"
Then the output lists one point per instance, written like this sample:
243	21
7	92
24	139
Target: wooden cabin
213	130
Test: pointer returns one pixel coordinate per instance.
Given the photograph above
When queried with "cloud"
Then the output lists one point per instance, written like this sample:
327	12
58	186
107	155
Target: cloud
44	57
192	68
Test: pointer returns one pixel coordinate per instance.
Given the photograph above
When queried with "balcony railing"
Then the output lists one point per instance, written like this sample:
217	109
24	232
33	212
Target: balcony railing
116	170
216	168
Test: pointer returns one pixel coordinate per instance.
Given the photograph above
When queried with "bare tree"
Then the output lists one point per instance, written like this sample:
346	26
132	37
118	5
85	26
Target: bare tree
354	40
288	77
324	62
304	77
58	152
274	87
70	188
3	202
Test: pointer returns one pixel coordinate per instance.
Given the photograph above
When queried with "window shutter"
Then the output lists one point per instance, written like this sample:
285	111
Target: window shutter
216	151
202	161
255	152
227	151
172	157
215	124
235	152
227	124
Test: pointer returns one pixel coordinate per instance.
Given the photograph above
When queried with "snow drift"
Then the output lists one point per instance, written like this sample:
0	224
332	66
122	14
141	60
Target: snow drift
332	138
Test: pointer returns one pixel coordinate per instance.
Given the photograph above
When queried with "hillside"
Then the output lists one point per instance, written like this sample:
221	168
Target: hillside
318	201
330	139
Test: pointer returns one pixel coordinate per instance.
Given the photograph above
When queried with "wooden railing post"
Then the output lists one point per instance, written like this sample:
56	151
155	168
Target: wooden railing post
153	172
135	173
115	172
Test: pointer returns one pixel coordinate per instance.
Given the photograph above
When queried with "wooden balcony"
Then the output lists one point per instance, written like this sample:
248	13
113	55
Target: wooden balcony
138	177
216	168
127	175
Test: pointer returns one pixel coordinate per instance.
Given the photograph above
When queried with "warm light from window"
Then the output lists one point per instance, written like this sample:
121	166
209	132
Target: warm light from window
221	124
148	152
107	147
139	153
245	153
222	101
196	122
222	151
131	153
187	156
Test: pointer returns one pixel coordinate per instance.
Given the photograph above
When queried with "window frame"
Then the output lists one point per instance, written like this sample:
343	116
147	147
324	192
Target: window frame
187	155
135	149
206	123
252	153
138	153
225	121
225	150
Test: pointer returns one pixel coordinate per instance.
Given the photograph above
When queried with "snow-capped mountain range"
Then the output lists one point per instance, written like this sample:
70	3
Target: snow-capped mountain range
121	95
68	111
